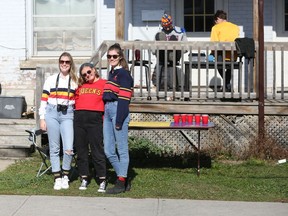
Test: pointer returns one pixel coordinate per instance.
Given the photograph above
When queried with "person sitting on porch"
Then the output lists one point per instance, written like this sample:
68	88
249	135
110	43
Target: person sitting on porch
224	31
168	32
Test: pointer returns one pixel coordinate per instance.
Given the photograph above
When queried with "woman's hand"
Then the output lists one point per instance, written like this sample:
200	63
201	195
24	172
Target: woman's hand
118	127
43	125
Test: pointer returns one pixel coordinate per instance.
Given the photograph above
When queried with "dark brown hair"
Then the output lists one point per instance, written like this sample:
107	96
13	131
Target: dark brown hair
122	60
81	81
220	14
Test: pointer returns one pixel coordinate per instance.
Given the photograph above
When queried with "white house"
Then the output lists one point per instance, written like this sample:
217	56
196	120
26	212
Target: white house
35	32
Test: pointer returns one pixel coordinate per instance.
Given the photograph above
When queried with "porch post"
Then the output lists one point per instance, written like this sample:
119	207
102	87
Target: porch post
255	36
261	129
119	19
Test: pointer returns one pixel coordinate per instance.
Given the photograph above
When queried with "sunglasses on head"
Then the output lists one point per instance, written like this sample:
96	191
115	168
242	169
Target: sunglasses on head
62	62
114	56
87	73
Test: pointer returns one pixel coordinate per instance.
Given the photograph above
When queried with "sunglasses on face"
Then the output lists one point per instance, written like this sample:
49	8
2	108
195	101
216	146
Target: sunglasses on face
66	62
114	56
87	73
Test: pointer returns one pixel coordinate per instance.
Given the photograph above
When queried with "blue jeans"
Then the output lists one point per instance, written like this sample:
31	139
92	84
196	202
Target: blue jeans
116	138
60	124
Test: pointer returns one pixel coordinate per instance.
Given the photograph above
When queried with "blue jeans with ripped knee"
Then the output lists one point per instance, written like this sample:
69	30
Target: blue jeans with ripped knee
60	125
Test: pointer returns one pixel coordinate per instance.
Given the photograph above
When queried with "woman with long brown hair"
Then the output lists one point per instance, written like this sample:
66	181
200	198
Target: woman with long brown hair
117	95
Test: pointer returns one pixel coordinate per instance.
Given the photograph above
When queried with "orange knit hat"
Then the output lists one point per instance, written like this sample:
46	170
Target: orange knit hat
166	20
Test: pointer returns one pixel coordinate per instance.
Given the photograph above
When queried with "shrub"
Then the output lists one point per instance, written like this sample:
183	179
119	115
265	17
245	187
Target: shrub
266	148
143	147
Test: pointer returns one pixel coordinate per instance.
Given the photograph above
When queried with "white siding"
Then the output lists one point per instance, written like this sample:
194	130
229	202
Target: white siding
12	22
105	21
15	82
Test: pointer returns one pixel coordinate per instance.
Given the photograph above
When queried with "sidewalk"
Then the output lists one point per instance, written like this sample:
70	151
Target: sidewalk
108	206
5	162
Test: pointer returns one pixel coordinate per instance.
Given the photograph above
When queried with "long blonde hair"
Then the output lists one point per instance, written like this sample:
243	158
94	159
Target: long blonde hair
72	71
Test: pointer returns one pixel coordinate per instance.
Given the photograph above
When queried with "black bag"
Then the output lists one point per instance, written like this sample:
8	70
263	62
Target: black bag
245	47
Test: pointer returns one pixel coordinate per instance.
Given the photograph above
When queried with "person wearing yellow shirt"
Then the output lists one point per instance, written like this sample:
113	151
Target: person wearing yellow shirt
224	31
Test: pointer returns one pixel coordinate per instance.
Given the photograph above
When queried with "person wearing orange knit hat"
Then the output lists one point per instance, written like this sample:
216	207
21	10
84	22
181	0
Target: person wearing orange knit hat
172	32
168	32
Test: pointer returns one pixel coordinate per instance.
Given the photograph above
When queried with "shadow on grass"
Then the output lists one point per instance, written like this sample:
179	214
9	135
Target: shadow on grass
144	159
150	160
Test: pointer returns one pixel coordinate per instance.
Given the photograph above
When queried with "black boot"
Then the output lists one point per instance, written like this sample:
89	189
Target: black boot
128	184
119	187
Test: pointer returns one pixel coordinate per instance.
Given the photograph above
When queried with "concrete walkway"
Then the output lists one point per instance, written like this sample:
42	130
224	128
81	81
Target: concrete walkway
5	162
108	206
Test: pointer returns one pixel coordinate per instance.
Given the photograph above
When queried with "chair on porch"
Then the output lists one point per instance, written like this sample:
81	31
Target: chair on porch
171	58
138	62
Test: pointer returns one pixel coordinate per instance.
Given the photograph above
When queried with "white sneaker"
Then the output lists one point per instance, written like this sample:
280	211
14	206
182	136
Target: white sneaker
102	187
65	182
58	184
83	185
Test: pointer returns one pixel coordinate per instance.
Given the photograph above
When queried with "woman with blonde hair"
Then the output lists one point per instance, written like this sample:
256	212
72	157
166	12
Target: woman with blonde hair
56	117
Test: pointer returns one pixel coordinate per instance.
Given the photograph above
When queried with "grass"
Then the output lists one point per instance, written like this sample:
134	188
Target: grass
252	180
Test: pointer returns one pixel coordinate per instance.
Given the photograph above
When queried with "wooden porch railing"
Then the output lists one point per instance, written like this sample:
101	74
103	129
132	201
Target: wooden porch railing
195	80
194	77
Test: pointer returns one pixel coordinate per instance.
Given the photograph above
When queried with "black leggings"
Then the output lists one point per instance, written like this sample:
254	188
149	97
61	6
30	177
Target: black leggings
88	138
227	73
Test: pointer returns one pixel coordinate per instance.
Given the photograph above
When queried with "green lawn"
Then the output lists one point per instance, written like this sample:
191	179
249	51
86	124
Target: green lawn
246	181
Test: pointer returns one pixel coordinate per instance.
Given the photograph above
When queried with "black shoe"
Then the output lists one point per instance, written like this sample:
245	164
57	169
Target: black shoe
228	89
128	184
119	187
219	89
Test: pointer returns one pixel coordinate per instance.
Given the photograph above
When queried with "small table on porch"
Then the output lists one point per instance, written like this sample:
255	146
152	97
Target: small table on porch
179	127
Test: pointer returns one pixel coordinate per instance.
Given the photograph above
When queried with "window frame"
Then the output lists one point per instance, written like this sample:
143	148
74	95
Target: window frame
280	32
31	29
199	35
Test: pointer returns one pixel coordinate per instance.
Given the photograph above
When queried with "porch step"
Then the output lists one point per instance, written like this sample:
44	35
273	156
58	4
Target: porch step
14	142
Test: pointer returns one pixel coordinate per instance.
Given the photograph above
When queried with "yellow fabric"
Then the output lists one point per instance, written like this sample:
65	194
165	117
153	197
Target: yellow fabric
149	124
225	32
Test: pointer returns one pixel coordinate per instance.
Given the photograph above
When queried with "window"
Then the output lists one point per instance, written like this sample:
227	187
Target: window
198	15
63	25
281	20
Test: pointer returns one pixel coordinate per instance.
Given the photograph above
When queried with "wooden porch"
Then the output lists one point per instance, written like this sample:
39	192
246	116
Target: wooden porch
196	90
